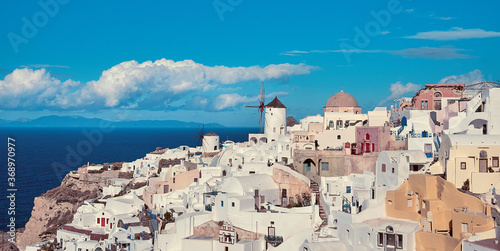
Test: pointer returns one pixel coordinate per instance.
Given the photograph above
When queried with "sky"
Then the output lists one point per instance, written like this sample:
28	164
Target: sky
203	61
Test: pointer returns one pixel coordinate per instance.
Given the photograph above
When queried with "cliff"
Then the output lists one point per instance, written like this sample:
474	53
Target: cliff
57	206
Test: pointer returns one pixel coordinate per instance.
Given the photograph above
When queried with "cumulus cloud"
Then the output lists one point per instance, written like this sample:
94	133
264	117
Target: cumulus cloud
455	33
148	85
469	78
27	89
398	90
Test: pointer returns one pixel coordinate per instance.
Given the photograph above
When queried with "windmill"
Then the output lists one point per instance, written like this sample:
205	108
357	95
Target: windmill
201	134
261	105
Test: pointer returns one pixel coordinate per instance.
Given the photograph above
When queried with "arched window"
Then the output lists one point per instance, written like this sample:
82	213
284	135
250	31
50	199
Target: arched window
331	125
438	95
367	136
483	154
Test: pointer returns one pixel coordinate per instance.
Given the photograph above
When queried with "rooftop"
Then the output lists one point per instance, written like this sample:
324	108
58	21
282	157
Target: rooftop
275	104
342	99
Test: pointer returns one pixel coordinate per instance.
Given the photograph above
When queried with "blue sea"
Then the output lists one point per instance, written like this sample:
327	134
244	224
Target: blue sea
38	149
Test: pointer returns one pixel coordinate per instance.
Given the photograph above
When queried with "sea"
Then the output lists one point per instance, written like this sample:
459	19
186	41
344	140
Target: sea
43	156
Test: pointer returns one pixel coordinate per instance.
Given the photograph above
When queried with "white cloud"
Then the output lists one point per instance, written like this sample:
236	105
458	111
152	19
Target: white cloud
455	33
148	85
469	78
409	10
422	52
398	90
385	32
27	89
431	52
43	66
231	100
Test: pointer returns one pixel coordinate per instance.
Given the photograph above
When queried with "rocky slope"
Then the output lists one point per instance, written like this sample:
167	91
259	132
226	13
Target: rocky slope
57	206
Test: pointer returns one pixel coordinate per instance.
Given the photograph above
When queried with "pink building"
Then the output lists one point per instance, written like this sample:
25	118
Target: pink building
436	96
372	139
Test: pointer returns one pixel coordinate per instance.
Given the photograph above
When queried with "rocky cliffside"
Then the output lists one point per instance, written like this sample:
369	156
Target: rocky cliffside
57	206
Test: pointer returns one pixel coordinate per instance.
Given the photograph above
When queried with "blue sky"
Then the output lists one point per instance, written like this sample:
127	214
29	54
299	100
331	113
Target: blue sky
203	60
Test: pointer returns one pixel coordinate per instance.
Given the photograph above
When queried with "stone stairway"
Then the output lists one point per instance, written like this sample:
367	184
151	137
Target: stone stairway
426	225
322	213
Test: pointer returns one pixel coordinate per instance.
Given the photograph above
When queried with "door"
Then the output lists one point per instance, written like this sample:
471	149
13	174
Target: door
103	222
483	165
390	242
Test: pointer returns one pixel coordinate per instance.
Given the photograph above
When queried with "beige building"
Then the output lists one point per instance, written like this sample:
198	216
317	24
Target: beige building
470	161
447	216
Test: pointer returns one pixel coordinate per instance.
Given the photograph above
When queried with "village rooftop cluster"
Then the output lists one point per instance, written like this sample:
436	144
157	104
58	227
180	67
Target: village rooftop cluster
421	175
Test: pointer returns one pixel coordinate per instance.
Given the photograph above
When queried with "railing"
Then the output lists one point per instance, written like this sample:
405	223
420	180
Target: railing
275	239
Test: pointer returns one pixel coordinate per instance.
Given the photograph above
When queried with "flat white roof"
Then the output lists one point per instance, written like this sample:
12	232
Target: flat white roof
473	139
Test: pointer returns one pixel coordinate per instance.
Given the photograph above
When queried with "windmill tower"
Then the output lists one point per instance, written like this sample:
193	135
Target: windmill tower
261	105
275	120
210	142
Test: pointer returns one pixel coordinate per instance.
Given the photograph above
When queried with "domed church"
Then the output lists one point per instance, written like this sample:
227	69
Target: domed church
342	102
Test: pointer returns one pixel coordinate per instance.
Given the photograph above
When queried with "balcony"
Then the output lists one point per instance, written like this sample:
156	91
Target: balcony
274	240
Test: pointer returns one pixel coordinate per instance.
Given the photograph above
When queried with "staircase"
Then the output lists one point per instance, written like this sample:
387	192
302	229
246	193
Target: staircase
322	213
426	225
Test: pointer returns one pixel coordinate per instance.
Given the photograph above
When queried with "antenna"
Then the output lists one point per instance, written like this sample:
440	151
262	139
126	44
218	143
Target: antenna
261	105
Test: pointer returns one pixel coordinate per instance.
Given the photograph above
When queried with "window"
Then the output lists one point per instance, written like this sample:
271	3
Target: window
424	105
98	220
274	129
287	147
437	95
380	239
232	204
465	227
339	124
399	241
174	180
348	189
226	248
338	137
437	104
347	233
373	147
383	168
463	165
410	202
367	136
221	203
324	166
428	148
330	124
494	161
195	179
393	170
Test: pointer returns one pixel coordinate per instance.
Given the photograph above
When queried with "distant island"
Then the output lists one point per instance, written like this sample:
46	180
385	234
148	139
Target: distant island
77	121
